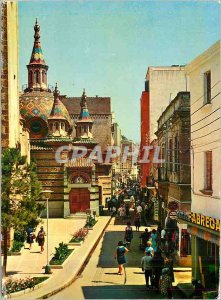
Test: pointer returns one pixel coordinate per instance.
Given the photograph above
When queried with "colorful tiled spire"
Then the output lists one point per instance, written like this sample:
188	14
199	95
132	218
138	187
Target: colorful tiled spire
37	56
84	114
84	123
57	108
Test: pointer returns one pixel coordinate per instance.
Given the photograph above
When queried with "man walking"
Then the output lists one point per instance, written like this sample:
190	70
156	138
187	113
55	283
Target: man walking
146	267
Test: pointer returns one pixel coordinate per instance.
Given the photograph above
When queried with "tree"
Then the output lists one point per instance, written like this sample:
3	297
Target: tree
20	192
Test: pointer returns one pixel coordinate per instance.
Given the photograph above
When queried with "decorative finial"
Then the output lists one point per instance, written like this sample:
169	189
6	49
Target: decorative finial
83	99
37	31
56	92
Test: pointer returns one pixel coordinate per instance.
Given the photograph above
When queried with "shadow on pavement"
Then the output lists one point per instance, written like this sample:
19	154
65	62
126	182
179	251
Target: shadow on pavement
109	245
124	292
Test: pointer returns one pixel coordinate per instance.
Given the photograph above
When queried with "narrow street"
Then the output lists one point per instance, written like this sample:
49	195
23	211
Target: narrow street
100	280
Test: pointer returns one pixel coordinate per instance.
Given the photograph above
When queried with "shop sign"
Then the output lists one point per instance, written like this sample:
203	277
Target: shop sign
199	219
156	210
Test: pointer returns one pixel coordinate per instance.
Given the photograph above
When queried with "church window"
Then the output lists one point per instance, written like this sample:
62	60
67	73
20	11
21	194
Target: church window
51	126
57	125
37	76
85	129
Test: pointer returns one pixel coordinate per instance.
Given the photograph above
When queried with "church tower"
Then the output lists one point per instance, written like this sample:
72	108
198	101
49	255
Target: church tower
37	68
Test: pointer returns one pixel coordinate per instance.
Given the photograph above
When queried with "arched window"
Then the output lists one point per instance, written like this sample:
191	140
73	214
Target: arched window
57	126
30	77
37	76
51	126
85	129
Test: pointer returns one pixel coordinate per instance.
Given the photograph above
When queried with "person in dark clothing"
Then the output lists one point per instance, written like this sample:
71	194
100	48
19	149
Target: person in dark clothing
157	266
145	236
128	236
199	288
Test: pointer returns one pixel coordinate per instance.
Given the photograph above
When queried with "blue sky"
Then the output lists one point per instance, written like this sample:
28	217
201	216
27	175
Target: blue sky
107	46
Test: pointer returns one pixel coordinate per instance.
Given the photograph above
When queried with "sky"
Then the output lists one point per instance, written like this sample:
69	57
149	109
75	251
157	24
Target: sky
107	46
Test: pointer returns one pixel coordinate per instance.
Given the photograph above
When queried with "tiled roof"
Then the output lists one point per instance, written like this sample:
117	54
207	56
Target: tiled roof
96	105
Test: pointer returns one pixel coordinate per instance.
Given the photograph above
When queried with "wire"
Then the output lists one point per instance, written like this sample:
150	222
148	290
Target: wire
205	134
205	125
206	116
197	146
208	150
204	93
205	104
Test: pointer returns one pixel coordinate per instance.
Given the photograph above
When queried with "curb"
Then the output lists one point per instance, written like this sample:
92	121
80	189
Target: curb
28	290
81	267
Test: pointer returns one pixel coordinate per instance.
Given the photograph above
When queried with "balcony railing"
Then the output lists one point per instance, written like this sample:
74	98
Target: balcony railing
50	88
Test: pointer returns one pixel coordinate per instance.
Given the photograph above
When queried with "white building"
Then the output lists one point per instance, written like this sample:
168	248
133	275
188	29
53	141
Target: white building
164	84
203	222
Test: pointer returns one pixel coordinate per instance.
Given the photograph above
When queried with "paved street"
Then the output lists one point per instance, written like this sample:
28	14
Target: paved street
30	263
100	280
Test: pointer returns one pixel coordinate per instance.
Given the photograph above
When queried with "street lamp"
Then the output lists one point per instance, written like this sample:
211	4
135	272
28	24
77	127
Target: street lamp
46	195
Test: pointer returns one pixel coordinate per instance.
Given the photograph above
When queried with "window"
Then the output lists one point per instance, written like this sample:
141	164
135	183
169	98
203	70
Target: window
171	155
177	155
208	170
207	87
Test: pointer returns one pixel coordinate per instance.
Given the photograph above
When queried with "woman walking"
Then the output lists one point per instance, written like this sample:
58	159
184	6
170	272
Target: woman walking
166	284
30	237
120	256
153	237
41	238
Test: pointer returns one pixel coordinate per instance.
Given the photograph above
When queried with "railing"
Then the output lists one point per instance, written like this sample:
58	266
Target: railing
50	88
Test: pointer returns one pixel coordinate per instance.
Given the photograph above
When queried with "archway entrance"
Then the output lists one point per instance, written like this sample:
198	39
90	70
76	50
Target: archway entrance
79	200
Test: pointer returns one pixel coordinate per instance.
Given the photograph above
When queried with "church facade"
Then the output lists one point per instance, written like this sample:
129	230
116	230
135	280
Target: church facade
54	121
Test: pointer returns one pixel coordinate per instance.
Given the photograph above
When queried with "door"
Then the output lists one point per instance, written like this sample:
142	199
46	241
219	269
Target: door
79	200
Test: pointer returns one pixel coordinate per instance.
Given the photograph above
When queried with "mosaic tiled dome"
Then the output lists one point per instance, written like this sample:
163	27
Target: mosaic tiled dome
39	104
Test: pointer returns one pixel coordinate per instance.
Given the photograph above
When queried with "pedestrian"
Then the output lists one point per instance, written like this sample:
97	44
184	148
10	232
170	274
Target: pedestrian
157	266
41	238
139	209
145	237
166	284
147	267
119	255
137	221
149	248
153	237
169	263
30	237
128	235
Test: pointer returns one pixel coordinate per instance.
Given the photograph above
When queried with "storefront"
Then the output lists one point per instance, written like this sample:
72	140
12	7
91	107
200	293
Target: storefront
205	243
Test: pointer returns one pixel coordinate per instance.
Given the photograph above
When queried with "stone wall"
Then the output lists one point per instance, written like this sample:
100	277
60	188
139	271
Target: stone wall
51	175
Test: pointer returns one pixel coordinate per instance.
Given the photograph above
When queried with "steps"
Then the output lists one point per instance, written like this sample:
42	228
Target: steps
78	215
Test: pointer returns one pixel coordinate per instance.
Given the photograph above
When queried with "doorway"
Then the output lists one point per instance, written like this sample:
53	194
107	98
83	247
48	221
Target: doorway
79	200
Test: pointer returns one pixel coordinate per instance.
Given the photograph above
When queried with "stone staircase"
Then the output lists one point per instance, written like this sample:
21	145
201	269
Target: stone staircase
78	215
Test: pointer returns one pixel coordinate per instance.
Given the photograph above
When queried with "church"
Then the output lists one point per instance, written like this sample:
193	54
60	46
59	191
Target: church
55	120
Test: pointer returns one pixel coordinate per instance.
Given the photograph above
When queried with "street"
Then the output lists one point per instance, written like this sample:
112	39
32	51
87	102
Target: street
100	280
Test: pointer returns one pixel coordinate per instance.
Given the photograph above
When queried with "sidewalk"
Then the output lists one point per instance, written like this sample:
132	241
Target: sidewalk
63	277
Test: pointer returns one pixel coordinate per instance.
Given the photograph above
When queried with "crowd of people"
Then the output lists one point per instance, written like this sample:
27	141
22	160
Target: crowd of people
156	264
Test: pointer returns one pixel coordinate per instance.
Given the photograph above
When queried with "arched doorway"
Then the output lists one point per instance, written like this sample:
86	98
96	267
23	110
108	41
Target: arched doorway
79	200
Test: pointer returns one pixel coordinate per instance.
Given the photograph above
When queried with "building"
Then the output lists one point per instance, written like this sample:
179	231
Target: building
57	121
13	132
162	84
204	218
128	168
174	175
